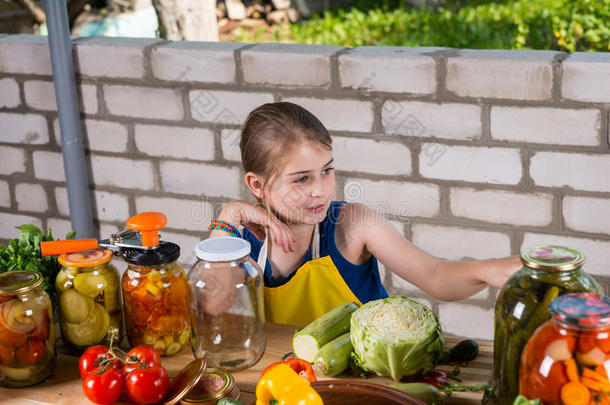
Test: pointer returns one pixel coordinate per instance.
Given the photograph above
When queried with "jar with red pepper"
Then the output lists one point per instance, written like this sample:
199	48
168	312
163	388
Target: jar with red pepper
567	359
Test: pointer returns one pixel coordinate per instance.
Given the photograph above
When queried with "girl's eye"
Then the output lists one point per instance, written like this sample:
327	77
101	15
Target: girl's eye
327	170
301	179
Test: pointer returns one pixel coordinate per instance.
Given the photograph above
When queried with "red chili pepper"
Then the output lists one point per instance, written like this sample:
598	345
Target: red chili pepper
302	367
434	377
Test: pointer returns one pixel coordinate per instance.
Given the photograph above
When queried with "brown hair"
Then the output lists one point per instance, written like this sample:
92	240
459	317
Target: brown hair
271	131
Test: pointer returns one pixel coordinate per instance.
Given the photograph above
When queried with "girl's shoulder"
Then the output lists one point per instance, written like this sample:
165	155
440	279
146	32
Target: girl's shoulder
349	230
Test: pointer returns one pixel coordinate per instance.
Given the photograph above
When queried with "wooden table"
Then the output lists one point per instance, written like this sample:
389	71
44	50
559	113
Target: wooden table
64	387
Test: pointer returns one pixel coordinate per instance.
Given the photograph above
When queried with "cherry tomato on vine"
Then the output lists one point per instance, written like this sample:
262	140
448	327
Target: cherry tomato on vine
103	388
147	385
146	354
91	358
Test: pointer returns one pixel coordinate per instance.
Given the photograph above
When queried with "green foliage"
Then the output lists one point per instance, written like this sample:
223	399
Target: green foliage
566	25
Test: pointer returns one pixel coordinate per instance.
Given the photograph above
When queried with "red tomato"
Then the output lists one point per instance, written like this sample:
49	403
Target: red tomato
31	352
433	377
147	385
91	358
12	339
104	388
146	354
7	354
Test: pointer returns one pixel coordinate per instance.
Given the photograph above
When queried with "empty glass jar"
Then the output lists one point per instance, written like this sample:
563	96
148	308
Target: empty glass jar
228	304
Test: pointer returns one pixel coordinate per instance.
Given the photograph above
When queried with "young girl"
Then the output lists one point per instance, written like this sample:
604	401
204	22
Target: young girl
318	253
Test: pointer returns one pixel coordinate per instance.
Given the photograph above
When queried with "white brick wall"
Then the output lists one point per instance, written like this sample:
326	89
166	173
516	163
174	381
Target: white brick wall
5	194
467	320
122	172
595	251
515	74
24	129
301	65
491	206
60	227
9	93
193	215
40	95
339	115
207	62
108	206
26	54
176	142
394	197
389	69
111	57
484	165
586	77
413	118
100	135
587	214
459	243
370	156
13	160
144	102
225	107
578	171
9	221
229	142
557	126
31	197
48	166
201	179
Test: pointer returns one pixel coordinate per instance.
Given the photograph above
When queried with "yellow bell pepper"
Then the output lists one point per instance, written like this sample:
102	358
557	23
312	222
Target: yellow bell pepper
285	386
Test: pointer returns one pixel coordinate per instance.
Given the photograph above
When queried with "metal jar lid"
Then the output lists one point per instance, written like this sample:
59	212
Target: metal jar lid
166	252
581	309
552	258
184	381
212	386
86	258
14	282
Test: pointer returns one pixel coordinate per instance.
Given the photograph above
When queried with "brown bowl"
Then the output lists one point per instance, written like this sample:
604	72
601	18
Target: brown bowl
350	392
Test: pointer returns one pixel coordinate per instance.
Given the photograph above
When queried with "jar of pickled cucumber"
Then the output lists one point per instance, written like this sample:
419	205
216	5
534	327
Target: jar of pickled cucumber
157	299
523	305
27	341
89	299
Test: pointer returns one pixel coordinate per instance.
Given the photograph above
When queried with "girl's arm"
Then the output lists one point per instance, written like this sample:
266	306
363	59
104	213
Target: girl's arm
444	280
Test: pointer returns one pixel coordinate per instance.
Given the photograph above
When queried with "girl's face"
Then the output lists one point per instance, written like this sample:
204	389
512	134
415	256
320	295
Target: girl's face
303	190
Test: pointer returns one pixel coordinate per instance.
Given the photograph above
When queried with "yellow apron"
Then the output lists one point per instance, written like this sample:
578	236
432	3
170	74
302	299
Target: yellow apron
316	288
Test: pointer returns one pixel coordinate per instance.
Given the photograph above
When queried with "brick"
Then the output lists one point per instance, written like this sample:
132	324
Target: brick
187	245
108	206
31	197
144	102
201	179
48	166
301	64
121	172
59	226
13	160
25	54
478	324
9	93
40	95
107	229
339	115
5	194
490	206
556	126
28	129
193	215
9	221
578	171
394	198
104	136
229	143
460	121
176	142
389	69
587	214
586	77
186	61
225	107
382	157
453	243
92	56
484	165
510	74
595	250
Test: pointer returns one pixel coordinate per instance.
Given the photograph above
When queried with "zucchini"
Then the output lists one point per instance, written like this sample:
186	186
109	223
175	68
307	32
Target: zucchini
333	357
228	401
426	392
307	341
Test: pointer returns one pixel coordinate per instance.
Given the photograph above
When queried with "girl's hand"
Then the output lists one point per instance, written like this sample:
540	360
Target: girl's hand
256	218
500	270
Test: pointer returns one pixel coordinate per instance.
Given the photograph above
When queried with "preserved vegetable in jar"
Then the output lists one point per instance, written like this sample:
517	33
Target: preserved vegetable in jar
27	340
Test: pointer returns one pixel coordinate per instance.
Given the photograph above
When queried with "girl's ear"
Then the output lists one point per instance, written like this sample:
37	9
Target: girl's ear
255	184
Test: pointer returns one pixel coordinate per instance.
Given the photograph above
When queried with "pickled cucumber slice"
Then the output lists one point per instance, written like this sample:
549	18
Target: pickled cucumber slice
89	332
75	307
112	302
63	281
173	349
18	374
91	285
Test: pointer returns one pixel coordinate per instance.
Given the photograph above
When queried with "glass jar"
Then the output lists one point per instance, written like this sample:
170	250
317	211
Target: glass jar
157	299
228	304
567	359
89	299
27	340
522	306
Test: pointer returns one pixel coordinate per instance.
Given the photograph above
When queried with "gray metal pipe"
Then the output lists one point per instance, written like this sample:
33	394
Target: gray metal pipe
73	151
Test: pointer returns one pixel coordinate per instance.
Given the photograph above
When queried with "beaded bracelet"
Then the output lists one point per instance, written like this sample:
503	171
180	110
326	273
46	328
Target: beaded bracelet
224	226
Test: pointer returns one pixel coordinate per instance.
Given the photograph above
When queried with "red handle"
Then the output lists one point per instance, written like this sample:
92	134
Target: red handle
58	247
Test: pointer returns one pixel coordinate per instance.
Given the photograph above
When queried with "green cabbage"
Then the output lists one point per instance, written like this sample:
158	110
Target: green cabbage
396	337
